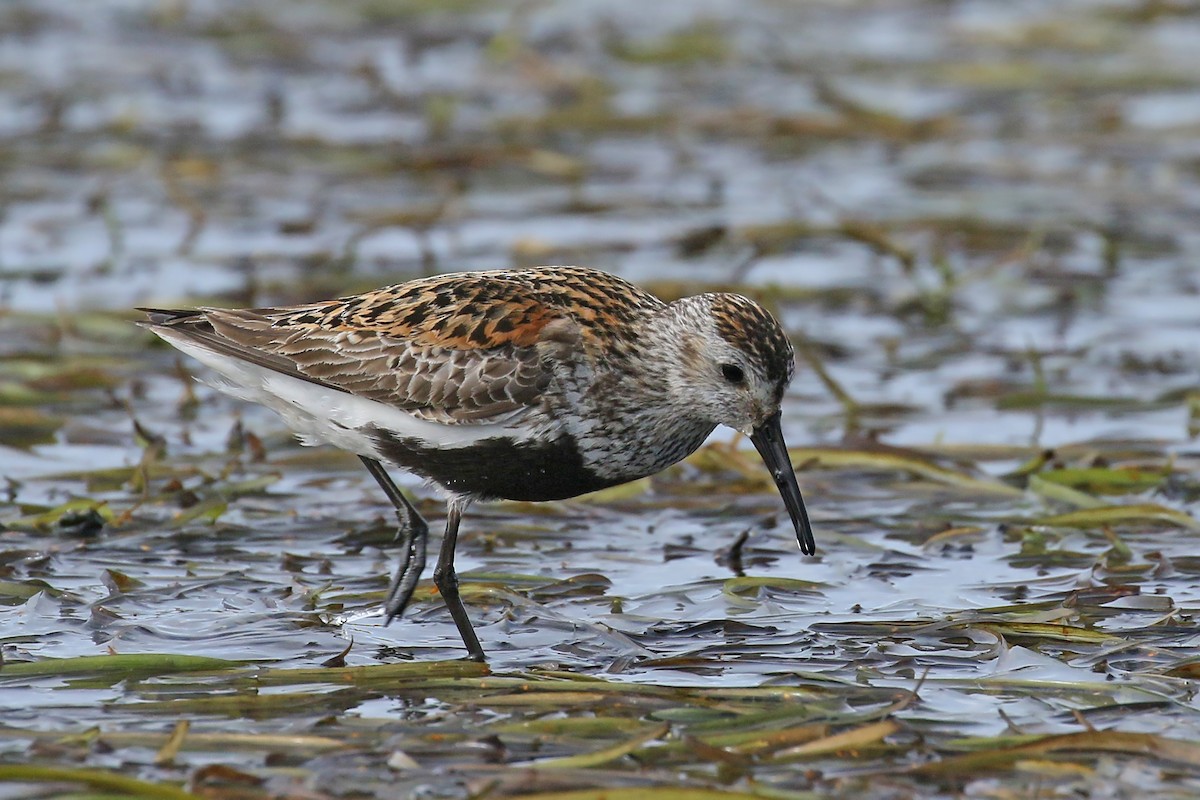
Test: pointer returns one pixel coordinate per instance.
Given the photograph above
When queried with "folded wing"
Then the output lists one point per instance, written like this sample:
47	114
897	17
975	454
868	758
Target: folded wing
446	354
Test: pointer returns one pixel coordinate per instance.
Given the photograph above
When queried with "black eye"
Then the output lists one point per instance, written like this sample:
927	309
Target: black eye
732	373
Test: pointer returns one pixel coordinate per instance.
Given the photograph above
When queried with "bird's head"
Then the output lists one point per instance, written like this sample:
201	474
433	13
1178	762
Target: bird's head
733	364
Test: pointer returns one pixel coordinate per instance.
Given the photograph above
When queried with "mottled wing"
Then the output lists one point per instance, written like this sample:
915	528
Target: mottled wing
437	383
476	359
457	348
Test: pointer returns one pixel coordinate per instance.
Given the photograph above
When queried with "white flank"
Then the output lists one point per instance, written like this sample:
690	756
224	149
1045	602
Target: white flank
320	415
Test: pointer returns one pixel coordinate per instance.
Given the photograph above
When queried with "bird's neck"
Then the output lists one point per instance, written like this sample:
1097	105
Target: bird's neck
639	425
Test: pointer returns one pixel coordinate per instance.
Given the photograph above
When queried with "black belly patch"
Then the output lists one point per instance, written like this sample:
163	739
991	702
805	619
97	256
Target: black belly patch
496	468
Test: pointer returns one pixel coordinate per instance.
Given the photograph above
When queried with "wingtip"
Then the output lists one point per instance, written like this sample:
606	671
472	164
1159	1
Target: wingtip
164	316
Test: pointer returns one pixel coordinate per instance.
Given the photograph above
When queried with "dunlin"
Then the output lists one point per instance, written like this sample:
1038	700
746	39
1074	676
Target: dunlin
537	384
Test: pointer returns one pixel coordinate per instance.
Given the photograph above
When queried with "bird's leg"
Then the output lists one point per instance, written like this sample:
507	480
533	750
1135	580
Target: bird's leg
446	581
412	536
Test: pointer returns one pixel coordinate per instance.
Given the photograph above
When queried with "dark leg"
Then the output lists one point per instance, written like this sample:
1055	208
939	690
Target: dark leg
412	535
446	580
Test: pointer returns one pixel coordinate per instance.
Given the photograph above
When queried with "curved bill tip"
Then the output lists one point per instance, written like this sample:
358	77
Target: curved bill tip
768	440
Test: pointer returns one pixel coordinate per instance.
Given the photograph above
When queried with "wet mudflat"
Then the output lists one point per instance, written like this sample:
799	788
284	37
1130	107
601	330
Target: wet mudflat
977	220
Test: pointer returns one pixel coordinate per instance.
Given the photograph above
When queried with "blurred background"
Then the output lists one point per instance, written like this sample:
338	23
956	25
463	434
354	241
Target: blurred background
950	200
979	221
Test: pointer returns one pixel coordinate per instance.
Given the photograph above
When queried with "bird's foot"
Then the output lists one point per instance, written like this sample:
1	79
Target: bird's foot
413	540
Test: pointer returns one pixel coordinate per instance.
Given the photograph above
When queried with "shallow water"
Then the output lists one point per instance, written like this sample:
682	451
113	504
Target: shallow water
976	219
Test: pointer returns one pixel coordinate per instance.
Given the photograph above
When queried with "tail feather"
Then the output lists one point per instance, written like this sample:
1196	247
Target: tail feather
192	326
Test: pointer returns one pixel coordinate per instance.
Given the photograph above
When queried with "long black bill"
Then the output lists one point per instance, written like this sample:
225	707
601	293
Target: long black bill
768	440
